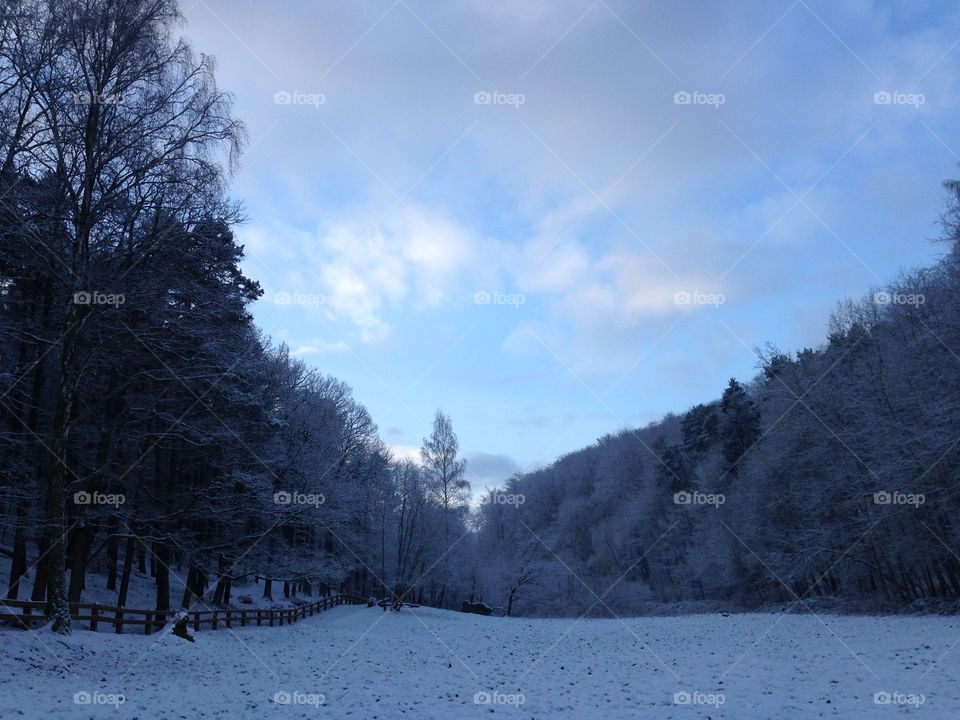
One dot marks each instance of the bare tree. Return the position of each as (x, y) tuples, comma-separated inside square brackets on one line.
[(444, 472)]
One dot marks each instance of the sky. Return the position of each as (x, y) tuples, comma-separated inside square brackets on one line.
[(555, 219)]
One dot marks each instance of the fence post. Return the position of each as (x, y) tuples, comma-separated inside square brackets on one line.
[(258, 618), (214, 619), (118, 620), (93, 617), (196, 620), (271, 618), (147, 622), (229, 614)]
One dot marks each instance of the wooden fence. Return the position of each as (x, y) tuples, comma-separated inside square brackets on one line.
[(32, 612)]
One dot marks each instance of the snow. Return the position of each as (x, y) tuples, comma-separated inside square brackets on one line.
[(423, 663)]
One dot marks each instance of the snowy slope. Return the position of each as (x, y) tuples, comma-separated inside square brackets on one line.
[(363, 663)]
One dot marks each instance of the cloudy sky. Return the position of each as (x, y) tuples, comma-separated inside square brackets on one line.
[(557, 218)]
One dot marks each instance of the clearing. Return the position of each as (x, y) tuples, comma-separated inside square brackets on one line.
[(358, 662)]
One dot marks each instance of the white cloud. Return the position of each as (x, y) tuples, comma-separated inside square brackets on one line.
[(320, 347), (697, 186), (360, 268), (410, 257), (405, 452)]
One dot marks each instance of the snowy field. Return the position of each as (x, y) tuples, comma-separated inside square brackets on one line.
[(355, 662)]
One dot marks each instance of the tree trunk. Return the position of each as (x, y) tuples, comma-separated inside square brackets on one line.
[(40, 574), (221, 594), (112, 551), (185, 600), (57, 608), (78, 562), (162, 554), (127, 569), (18, 567)]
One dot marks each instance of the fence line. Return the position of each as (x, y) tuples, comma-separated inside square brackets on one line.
[(34, 612)]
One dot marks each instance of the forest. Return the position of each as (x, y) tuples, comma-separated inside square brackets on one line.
[(146, 421), (831, 475)]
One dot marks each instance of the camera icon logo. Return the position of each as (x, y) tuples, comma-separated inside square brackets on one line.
[(882, 97)]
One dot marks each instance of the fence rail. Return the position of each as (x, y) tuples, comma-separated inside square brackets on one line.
[(33, 612)]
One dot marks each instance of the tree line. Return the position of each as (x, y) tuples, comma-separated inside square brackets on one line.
[(832, 475), (147, 424)]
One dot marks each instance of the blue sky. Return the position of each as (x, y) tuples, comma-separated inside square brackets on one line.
[(557, 219)]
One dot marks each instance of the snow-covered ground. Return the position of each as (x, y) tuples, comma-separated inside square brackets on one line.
[(355, 662)]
